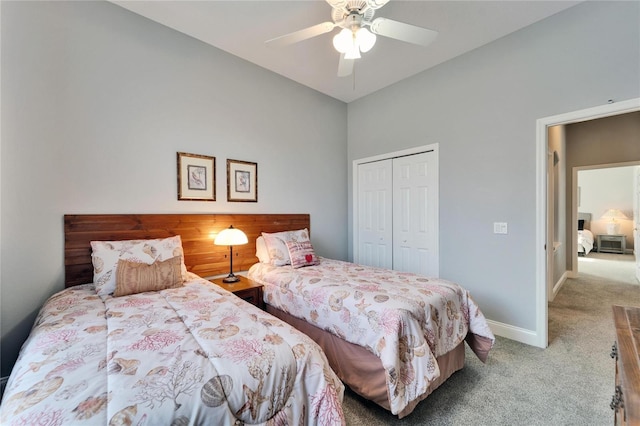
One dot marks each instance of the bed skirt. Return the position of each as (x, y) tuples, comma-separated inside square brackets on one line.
[(361, 370)]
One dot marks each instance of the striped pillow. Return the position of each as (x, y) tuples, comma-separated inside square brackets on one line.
[(105, 256), (301, 254), (135, 277)]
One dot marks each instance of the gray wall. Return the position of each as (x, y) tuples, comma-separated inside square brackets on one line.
[(96, 101), (482, 109)]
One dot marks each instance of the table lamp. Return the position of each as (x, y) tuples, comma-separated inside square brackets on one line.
[(613, 227), (231, 237)]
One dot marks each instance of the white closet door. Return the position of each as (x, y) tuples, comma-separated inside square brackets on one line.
[(375, 221), (415, 209)]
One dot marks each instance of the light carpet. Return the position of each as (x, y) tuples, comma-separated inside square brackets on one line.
[(613, 267), (569, 383)]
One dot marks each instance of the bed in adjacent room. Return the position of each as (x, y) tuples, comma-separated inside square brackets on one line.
[(137, 338), (585, 236), (392, 337)]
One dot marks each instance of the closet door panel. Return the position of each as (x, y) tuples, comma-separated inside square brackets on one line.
[(415, 214), (375, 211), (397, 213)]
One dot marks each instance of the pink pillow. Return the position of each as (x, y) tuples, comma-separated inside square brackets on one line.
[(301, 254)]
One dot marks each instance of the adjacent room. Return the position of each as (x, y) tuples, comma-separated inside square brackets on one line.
[(608, 196), (227, 209)]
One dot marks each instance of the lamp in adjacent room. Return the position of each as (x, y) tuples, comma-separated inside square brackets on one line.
[(613, 215), (231, 237)]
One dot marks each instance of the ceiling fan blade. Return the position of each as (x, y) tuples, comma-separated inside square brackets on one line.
[(401, 31), (301, 35), (345, 66)]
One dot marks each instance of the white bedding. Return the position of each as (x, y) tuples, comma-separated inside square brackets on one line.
[(585, 241)]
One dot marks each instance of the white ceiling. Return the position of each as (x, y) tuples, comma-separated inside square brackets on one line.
[(241, 27)]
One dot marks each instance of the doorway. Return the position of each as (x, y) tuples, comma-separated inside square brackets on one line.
[(603, 189), (542, 217)]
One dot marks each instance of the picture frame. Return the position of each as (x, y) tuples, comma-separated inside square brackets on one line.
[(242, 181), (196, 177)]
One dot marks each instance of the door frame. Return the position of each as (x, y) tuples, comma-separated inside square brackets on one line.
[(613, 108), (387, 156)]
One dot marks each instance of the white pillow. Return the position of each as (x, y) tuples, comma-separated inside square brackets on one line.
[(262, 253), (277, 245), (106, 254)]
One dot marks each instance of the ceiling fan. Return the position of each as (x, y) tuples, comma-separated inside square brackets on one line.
[(353, 16)]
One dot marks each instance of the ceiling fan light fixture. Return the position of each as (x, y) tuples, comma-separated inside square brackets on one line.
[(343, 41), (352, 53), (365, 39), (351, 42)]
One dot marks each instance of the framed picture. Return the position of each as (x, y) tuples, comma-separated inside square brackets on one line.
[(196, 177), (242, 181)]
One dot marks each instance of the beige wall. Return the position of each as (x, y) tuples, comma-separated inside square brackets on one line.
[(609, 140), (557, 146)]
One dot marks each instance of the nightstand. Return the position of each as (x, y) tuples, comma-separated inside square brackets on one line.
[(611, 243), (245, 289)]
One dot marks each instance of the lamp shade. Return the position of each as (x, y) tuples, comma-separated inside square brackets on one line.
[(353, 41), (343, 41), (231, 237), (614, 214), (366, 39)]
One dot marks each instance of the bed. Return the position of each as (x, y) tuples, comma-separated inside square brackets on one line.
[(392, 337), (149, 342), (585, 236)]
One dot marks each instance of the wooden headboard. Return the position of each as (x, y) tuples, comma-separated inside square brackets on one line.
[(197, 232)]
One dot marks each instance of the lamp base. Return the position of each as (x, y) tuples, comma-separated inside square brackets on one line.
[(613, 228), (230, 279)]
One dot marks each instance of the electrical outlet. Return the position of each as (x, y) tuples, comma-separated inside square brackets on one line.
[(500, 228)]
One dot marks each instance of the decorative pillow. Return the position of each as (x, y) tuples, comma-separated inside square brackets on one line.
[(580, 224), (277, 245), (135, 277), (105, 256), (301, 254), (262, 253)]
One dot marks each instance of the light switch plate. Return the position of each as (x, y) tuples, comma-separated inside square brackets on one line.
[(500, 228)]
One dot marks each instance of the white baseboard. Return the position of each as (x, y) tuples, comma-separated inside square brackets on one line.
[(522, 335), (558, 286)]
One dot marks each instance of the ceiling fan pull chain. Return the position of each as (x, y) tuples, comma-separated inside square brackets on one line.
[(354, 76)]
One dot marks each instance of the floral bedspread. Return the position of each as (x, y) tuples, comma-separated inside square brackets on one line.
[(190, 355), (406, 319)]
